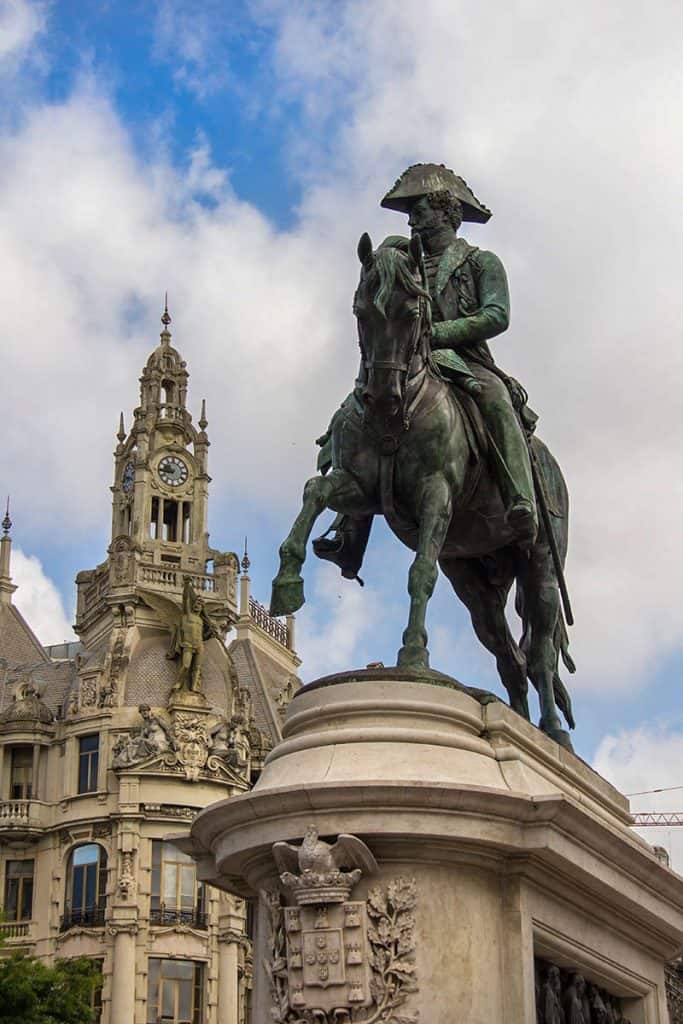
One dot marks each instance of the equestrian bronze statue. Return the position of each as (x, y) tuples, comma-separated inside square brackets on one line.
[(440, 441)]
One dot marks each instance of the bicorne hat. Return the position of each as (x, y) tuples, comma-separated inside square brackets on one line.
[(421, 179)]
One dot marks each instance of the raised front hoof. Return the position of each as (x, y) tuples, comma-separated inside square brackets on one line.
[(287, 596), (560, 736), (413, 656)]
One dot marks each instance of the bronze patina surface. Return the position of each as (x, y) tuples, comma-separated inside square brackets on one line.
[(440, 440)]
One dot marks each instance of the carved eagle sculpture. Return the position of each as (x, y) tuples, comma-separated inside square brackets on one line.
[(316, 857)]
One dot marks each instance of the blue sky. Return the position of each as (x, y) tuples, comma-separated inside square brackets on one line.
[(233, 153)]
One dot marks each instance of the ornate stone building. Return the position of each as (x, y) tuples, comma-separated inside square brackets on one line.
[(110, 744)]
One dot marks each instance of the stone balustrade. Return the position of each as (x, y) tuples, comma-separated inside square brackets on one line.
[(15, 930), (22, 816)]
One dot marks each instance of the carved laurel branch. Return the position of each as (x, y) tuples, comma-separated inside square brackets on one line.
[(392, 941), (276, 964)]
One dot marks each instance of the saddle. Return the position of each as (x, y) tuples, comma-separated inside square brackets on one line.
[(345, 540)]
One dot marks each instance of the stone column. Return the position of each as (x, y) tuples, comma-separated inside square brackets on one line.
[(34, 772), (123, 974), (228, 976)]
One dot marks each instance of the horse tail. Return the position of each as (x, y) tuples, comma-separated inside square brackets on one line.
[(562, 698), (562, 644)]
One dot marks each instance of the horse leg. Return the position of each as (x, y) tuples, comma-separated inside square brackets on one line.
[(288, 587), (485, 602), (542, 610), (434, 519)]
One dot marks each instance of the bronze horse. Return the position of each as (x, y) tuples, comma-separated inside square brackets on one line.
[(406, 445)]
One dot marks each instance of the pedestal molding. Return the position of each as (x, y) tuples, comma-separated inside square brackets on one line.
[(519, 850)]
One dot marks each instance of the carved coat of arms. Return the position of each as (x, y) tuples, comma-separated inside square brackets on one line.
[(334, 958)]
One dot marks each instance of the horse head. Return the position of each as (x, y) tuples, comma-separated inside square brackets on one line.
[(393, 312)]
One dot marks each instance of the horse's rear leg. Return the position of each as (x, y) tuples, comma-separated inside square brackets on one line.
[(287, 595), (485, 602), (542, 610), (435, 516)]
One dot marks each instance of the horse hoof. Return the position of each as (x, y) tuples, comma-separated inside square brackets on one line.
[(413, 656), (560, 736), (287, 596)]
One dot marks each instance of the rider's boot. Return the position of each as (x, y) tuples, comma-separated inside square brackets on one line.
[(346, 547)]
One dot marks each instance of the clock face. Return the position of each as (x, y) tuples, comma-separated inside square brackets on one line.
[(128, 478), (173, 471)]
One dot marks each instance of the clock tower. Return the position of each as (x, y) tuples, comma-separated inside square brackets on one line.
[(159, 532)]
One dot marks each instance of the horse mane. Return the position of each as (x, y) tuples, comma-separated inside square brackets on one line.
[(391, 264)]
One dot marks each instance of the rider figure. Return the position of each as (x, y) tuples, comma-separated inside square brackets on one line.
[(470, 304)]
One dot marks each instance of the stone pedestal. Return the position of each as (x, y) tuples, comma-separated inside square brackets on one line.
[(518, 850)]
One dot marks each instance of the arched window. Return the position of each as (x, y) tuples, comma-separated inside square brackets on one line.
[(86, 886)]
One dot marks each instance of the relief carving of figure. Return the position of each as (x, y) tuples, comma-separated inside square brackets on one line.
[(551, 992), (154, 737), (230, 741), (190, 627), (573, 1000), (598, 1009)]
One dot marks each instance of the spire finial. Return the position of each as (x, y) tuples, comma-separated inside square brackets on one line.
[(122, 430), (203, 422), (7, 588), (7, 522), (245, 561), (165, 319)]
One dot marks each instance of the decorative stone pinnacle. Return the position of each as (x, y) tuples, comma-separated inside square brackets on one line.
[(203, 422), (7, 522), (165, 319), (245, 561), (122, 430)]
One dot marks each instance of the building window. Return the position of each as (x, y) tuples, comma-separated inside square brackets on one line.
[(86, 886), (18, 890), (177, 896), (154, 520), (174, 992), (21, 780), (96, 995), (88, 762), (169, 524)]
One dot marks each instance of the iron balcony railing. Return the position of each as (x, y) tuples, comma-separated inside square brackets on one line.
[(91, 917), (169, 916)]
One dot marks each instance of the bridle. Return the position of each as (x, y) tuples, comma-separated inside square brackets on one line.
[(409, 402)]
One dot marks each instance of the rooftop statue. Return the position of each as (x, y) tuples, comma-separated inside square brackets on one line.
[(190, 627), (440, 440)]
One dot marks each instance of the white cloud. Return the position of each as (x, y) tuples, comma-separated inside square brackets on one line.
[(337, 623), (644, 759), (20, 23), (542, 119), (38, 600)]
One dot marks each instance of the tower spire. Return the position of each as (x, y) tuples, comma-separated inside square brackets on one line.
[(165, 319), (7, 588)]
